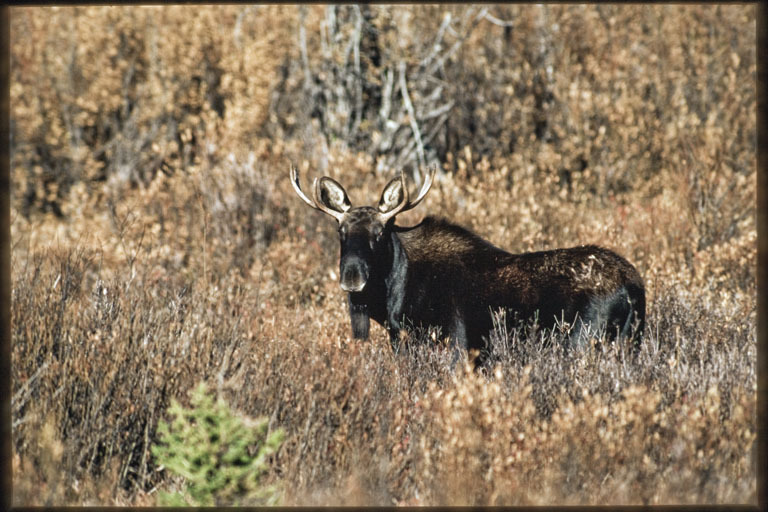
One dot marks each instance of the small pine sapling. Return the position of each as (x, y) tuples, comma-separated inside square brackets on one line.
[(221, 455)]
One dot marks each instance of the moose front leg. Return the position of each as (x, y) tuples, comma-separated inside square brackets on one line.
[(361, 320), (394, 339), (394, 327)]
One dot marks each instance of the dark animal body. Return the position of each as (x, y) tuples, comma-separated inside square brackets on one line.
[(440, 275)]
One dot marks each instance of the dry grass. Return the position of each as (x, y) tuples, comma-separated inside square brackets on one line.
[(156, 242)]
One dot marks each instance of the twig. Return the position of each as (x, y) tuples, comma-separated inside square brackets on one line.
[(411, 113), (436, 127), (358, 78), (438, 39), (303, 47), (438, 111), (386, 101), (439, 63), (496, 21), (239, 25), (21, 393), (145, 451)]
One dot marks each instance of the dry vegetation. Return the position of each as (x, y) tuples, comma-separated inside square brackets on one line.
[(156, 243)]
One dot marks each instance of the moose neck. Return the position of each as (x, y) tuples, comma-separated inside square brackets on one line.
[(382, 298)]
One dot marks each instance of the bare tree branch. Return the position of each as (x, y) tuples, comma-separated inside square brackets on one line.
[(411, 113), (386, 94), (439, 111), (439, 63), (352, 62), (358, 76), (303, 47), (496, 21), (436, 46)]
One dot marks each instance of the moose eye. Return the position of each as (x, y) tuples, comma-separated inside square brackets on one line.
[(377, 235)]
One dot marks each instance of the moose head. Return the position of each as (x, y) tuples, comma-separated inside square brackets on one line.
[(363, 230)]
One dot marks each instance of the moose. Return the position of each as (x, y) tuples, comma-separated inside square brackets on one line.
[(440, 275)]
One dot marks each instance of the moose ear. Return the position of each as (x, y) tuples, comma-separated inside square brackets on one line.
[(392, 196), (333, 195)]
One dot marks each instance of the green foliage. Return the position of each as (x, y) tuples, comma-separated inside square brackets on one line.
[(213, 449)]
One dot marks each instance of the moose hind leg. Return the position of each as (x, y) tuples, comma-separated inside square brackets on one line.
[(635, 321), (609, 316), (616, 313)]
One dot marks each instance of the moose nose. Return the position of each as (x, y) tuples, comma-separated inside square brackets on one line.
[(353, 278), (347, 287)]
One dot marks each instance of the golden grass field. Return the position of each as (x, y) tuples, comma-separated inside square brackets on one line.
[(157, 243)]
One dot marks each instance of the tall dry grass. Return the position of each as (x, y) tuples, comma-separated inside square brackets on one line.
[(156, 243)]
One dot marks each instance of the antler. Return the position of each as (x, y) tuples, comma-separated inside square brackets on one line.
[(424, 188), (314, 203), (297, 188), (406, 204), (321, 206), (384, 217)]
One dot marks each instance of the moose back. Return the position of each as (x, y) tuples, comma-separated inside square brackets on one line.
[(440, 275)]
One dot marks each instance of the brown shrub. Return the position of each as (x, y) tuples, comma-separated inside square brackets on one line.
[(640, 138)]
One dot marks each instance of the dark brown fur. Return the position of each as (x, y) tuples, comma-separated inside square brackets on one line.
[(558, 285)]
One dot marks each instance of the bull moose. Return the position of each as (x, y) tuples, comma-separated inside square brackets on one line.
[(440, 275)]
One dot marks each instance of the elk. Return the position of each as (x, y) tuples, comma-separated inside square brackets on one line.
[(440, 275)]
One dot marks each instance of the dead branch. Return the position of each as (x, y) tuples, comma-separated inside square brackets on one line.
[(411, 113)]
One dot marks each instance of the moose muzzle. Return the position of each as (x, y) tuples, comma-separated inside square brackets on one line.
[(354, 274)]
